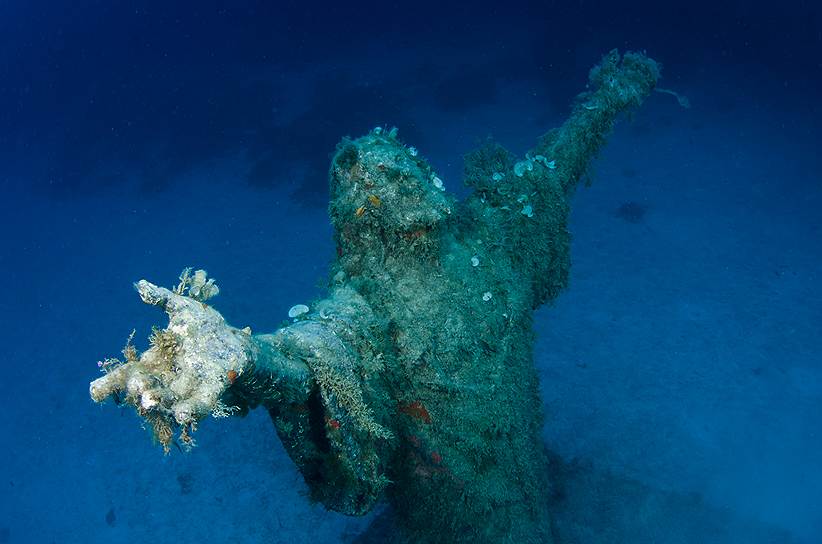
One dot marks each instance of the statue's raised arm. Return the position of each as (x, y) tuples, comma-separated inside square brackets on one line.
[(538, 186), (413, 379)]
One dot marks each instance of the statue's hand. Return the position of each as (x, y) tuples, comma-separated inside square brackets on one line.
[(181, 378)]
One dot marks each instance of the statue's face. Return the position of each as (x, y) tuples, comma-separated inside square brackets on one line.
[(380, 186)]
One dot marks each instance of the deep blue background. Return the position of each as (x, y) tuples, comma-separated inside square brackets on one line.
[(682, 368)]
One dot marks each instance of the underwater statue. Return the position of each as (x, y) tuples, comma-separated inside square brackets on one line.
[(413, 379)]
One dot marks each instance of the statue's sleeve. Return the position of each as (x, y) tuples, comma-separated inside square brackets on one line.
[(616, 84), (334, 416), (523, 205)]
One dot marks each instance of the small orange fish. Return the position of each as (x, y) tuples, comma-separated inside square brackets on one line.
[(360, 211), (232, 376), (374, 200), (417, 411)]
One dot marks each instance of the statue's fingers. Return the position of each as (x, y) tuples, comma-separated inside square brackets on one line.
[(171, 302), (105, 386), (150, 399), (186, 411), (196, 407), (157, 296)]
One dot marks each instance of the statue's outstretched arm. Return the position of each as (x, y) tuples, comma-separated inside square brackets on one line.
[(191, 365), (319, 377)]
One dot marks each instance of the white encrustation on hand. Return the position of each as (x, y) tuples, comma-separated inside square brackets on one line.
[(180, 379)]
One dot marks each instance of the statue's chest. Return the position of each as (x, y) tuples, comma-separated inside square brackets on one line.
[(443, 329)]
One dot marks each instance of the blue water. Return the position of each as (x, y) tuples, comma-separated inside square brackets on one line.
[(681, 371)]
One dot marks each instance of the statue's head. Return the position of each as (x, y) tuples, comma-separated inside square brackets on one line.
[(383, 193)]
